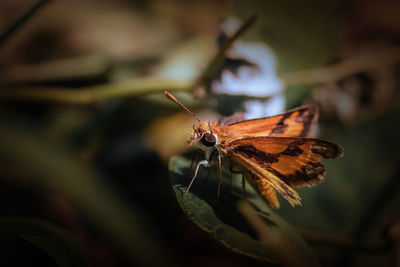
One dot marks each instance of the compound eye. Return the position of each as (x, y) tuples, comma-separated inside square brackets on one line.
[(208, 140)]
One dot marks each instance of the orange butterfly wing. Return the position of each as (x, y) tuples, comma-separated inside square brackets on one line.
[(293, 123), (283, 162), (264, 189)]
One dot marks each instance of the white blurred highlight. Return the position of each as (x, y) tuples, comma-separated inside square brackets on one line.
[(258, 109), (259, 80)]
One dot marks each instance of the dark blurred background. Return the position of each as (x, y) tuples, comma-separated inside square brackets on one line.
[(86, 132)]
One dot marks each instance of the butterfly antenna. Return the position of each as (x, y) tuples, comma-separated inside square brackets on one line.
[(171, 97)]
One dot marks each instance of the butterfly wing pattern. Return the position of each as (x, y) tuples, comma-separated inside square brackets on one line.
[(283, 163), (276, 154)]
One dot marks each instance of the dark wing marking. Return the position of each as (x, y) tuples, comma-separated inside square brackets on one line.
[(284, 161)]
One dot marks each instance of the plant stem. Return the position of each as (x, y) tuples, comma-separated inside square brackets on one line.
[(21, 21), (93, 94), (363, 62)]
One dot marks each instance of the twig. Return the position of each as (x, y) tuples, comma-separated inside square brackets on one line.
[(94, 94), (215, 63), (361, 63), (21, 21), (69, 69)]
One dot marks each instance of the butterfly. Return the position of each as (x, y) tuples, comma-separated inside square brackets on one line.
[(273, 153)]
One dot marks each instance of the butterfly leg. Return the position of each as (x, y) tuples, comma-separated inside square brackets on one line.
[(219, 177), (193, 160), (231, 182), (191, 163), (233, 171), (244, 186), (205, 163), (208, 174)]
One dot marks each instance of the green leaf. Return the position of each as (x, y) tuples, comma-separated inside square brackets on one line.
[(224, 222), (59, 244)]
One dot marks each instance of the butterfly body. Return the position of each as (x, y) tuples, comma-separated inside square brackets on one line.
[(273, 153)]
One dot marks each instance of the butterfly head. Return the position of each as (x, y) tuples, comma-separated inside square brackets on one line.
[(202, 134)]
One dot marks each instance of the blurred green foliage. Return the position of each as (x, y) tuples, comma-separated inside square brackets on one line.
[(83, 125)]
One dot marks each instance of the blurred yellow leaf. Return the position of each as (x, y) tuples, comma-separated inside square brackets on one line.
[(168, 135)]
